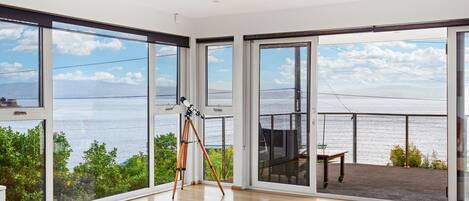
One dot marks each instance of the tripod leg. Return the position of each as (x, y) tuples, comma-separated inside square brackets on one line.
[(179, 159), (214, 173), (184, 157)]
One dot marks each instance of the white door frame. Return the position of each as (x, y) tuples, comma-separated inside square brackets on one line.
[(452, 110), (255, 54)]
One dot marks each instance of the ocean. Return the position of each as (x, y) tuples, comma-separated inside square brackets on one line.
[(121, 123)]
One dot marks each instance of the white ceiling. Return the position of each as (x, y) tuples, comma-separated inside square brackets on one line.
[(208, 8)]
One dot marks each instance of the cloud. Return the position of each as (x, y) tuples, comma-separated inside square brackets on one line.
[(397, 44), (377, 64), (11, 71), (82, 44), (165, 80), (211, 51), (287, 72), (10, 31), (129, 78), (29, 41), (167, 50), (116, 68)]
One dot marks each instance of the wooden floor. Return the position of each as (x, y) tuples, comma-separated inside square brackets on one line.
[(212, 193)]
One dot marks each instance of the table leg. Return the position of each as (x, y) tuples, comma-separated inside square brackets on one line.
[(326, 172), (342, 167)]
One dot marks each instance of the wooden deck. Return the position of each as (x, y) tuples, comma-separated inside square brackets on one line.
[(384, 182)]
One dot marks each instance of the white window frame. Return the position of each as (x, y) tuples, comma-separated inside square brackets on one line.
[(210, 110)]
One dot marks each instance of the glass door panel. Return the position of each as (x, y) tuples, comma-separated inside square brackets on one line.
[(283, 129)]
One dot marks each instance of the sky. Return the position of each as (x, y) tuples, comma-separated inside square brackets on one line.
[(362, 68)]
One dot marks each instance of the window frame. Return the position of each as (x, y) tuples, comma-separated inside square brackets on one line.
[(215, 110)]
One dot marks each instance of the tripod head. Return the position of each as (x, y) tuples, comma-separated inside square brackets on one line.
[(190, 108)]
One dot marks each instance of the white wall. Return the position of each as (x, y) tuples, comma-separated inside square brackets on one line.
[(352, 14), (130, 15)]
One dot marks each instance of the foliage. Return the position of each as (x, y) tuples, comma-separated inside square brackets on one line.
[(216, 157), (165, 158), (416, 158), (22, 163), (98, 175)]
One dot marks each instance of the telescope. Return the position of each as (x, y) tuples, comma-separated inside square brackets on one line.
[(190, 108)]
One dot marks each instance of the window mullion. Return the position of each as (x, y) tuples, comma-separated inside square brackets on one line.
[(47, 68), (151, 112)]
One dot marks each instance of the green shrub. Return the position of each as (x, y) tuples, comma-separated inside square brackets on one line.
[(165, 158), (416, 158), (215, 155)]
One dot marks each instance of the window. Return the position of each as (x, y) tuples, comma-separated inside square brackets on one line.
[(167, 75), (218, 141), (22, 159), (167, 131), (19, 65), (219, 73), (382, 100), (101, 110)]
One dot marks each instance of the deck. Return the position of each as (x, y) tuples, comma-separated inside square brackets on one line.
[(385, 182)]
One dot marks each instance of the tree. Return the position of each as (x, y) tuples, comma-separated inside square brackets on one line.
[(100, 171), (22, 163), (165, 158), (135, 171)]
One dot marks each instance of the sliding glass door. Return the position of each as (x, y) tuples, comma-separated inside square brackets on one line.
[(458, 98), (283, 78)]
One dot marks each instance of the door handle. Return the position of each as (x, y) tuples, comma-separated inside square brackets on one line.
[(17, 113)]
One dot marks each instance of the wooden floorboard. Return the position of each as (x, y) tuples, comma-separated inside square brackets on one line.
[(212, 193)]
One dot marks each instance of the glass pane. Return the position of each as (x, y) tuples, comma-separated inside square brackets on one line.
[(283, 128), (100, 109), (167, 129), (167, 78), (462, 116), (19, 65), (218, 140), (219, 75), (383, 105), (22, 159)]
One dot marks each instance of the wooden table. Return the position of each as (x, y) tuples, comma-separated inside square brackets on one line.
[(328, 154)]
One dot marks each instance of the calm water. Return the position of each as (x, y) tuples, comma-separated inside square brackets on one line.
[(122, 123)]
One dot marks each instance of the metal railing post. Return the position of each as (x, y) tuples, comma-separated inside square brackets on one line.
[(407, 141), (223, 147), (354, 117)]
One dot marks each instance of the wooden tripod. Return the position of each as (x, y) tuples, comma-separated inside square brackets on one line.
[(182, 157)]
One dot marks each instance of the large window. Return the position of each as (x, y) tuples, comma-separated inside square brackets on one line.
[(22, 159), (101, 110), (219, 75), (167, 75), (382, 104), (19, 65)]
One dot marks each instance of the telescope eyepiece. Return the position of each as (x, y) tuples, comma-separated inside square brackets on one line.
[(182, 99)]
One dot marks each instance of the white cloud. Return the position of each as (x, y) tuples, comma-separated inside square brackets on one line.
[(165, 80), (10, 31), (397, 44), (129, 78), (211, 51), (116, 68), (28, 42), (13, 70), (167, 50), (376, 64), (287, 72), (82, 44)]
